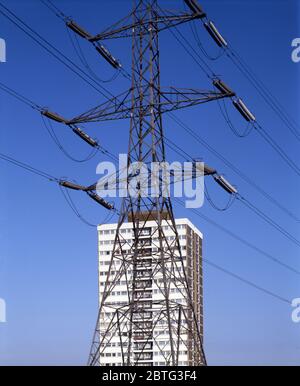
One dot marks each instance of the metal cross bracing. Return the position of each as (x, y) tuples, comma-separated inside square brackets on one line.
[(135, 263), (138, 261), (120, 107), (151, 260), (162, 22)]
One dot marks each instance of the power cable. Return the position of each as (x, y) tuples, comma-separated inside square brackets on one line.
[(108, 218), (76, 46), (267, 96), (233, 235), (214, 205), (29, 168), (200, 45), (73, 207), (110, 215), (231, 166), (268, 219), (53, 8), (225, 114), (211, 75), (260, 87), (269, 293), (66, 61), (20, 97), (51, 132), (174, 147), (246, 281), (0, 4), (51, 178), (259, 189)]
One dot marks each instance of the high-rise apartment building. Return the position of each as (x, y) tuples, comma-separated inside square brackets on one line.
[(150, 343)]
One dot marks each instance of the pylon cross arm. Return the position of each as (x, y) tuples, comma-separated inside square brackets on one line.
[(160, 22), (171, 99)]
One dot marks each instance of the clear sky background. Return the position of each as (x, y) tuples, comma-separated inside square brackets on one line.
[(48, 257)]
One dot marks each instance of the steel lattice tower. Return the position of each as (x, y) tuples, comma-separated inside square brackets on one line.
[(135, 263), (146, 144)]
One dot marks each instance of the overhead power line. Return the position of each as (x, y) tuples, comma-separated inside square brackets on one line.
[(60, 56), (51, 132), (232, 167), (249, 74), (170, 143), (212, 75), (240, 239), (177, 149), (51, 178), (267, 96), (20, 97), (270, 293), (75, 210), (29, 168), (262, 215), (236, 170), (53, 8), (246, 281), (30, 103), (269, 220), (108, 218)]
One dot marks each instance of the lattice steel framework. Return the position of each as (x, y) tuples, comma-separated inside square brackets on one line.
[(135, 262)]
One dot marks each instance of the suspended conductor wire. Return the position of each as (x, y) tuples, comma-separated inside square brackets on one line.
[(108, 218), (197, 58), (71, 204), (77, 48), (244, 177), (57, 53), (231, 166), (268, 220), (50, 178), (20, 97), (49, 127), (200, 45), (53, 8), (233, 235), (74, 208), (267, 96), (177, 149), (246, 281), (214, 205), (275, 146), (225, 114), (124, 18), (29, 168), (36, 107), (85, 79), (264, 134), (58, 12), (271, 141), (47, 49)]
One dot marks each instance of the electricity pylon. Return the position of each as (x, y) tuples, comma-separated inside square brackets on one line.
[(135, 263)]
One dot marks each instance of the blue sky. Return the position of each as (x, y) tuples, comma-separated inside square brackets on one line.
[(48, 258)]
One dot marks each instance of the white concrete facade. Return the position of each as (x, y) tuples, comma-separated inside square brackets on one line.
[(156, 350)]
